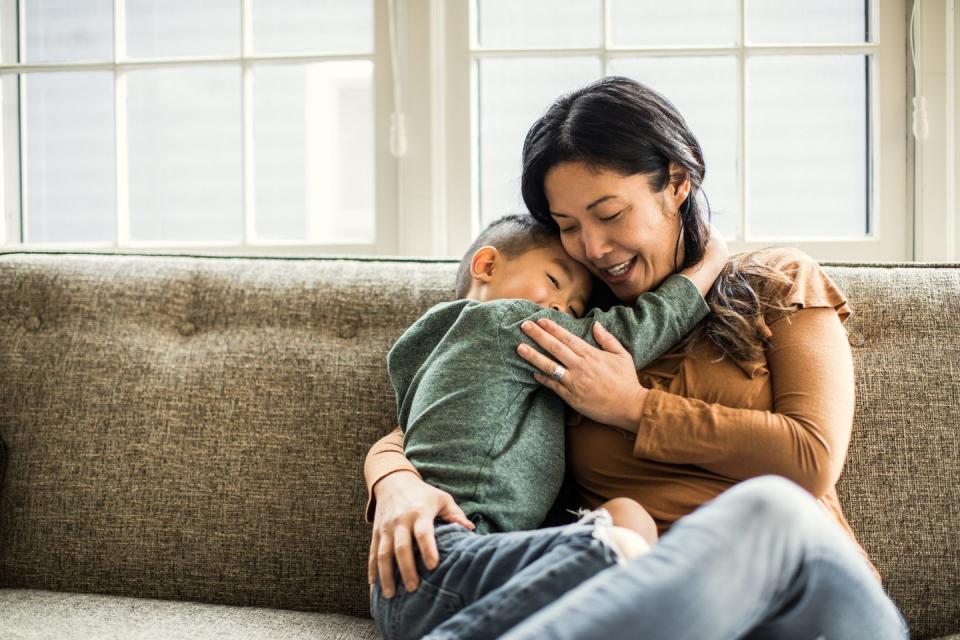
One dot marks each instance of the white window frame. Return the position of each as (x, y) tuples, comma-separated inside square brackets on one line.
[(934, 165), (427, 200), (890, 239), (13, 139)]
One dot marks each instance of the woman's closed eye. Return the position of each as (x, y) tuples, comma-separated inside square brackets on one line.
[(611, 218)]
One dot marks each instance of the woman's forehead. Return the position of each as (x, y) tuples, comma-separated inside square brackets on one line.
[(575, 187)]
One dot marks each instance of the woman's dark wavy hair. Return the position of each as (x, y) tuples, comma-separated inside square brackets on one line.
[(618, 124)]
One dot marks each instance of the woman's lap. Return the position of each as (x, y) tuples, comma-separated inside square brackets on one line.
[(762, 560)]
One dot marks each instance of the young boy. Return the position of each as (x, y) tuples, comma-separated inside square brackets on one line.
[(476, 424)]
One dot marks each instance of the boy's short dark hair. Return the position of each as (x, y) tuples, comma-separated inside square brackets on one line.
[(512, 235)]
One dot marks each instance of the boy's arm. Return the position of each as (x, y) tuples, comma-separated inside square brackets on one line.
[(657, 321)]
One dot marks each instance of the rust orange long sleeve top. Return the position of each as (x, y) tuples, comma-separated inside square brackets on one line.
[(710, 422)]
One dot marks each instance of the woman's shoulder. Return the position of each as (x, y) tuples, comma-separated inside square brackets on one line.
[(783, 259), (794, 279)]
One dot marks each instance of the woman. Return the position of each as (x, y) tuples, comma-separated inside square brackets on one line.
[(763, 386)]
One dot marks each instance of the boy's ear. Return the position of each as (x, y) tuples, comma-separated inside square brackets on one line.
[(483, 263)]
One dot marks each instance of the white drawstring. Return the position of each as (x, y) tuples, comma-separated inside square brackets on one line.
[(398, 127), (921, 127)]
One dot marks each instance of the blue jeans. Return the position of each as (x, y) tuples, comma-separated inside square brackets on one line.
[(763, 560), (486, 584)]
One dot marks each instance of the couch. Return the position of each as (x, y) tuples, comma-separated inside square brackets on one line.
[(185, 439)]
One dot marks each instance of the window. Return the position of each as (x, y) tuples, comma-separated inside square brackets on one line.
[(789, 101), (146, 124), (263, 126)]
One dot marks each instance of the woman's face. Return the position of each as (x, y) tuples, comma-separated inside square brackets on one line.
[(625, 233)]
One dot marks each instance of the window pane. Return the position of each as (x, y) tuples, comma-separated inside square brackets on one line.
[(61, 30), (514, 92), (185, 154), (704, 89), (182, 28), (314, 146), (680, 22), (807, 150), (789, 21), (288, 26), (70, 171), (539, 23)]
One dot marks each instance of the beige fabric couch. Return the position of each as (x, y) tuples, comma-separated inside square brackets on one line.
[(188, 433)]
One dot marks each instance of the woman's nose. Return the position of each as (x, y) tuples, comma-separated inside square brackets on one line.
[(595, 245)]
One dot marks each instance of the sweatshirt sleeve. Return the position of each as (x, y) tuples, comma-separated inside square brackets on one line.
[(385, 457), (656, 322), (804, 437)]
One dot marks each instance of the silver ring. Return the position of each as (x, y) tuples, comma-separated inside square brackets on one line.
[(559, 372)]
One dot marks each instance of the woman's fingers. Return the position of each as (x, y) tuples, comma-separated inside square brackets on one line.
[(403, 549), (555, 386), (571, 341), (606, 340), (537, 359), (372, 559), (550, 343), (451, 512), (427, 542), (385, 564)]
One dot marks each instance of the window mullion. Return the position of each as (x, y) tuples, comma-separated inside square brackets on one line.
[(742, 138), (606, 37), (120, 124), (10, 169), (246, 108), (21, 119)]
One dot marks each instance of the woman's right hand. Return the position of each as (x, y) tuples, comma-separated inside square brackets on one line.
[(406, 508)]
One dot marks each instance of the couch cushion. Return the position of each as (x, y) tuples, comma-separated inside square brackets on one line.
[(35, 615), (900, 488), (190, 428), (184, 428), (3, 462)]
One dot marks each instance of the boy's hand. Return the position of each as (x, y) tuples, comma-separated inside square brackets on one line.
[(715, 255)]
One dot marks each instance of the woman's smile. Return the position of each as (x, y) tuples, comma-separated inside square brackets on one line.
[(619, 272)]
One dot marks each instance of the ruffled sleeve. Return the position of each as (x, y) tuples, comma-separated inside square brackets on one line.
[(805, 286)]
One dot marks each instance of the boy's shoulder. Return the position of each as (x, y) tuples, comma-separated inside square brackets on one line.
[(500, 312), (472, 313)]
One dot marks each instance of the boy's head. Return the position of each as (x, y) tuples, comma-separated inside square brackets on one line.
[(519, 257)]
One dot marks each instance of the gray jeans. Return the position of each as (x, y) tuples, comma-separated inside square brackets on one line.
[(763, 560)]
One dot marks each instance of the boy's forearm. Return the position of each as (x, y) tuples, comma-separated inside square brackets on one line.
[(705, 273), (657, 321)]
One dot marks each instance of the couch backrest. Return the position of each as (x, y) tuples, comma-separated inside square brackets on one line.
[(195, 428)]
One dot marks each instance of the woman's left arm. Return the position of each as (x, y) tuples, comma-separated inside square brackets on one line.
[(804, 437)]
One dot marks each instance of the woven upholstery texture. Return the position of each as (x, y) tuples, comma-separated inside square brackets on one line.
[(195, 428), (27, 614)]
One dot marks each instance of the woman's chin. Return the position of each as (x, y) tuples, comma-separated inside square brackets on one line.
[(629, 290), (626, 292)]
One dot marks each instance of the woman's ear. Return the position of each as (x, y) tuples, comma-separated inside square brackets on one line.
[(679, 185), (483, 263)]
